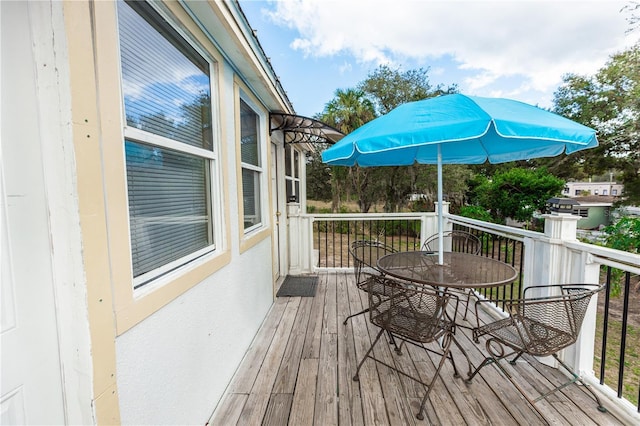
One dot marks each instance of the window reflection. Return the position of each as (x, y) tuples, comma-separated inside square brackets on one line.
[(166, 84)]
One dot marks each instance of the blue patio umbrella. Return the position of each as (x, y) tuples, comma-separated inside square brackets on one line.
[(459, 129)]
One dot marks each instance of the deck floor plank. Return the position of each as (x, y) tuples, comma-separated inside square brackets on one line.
[(349, 399), (299, 370), (304, 398)]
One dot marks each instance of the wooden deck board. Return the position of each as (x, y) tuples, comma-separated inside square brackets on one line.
[(349, 402), (299, 371)]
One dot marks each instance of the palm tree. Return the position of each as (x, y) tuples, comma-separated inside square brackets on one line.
[(348, 110)]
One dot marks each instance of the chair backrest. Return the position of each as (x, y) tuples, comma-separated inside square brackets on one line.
[(365, 254), (549, 324), (418, 313), (456, 240)]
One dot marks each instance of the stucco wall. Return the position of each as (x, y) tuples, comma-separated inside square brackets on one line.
[(174, 366)]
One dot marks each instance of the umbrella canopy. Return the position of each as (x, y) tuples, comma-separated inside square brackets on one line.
[(459, 129), (470, 130)]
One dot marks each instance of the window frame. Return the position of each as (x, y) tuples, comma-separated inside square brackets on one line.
[(103, 165), (251, 236), (259, 169), (296, 174), (214, 212)]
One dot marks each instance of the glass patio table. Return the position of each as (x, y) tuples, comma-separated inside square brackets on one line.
[(463, 271)]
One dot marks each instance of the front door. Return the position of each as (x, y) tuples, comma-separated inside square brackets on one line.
[(31, 390), (31, 384)]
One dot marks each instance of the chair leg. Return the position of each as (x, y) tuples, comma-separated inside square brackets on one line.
[(575, 378), (445, 354), (484, 363), (364, 311), (392, 341), (356, 377)]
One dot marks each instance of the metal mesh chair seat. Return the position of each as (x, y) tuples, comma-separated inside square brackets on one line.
[(524, 334), (538, 326), (376, 284), (421, 328), (416, 315)]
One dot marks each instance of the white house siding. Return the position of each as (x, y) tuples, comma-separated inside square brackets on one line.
[(576, 189), (172, 365), (175, 365)]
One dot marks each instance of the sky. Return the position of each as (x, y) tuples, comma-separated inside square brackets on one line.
[(509, 48)]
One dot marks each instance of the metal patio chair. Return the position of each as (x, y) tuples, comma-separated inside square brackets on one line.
[(458, 241), (365, 255), (538, 326), (417, 315)]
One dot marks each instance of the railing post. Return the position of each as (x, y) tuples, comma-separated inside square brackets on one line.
[(553, 266), (300, 237), (580, 355), (559, 265), (293, 234)]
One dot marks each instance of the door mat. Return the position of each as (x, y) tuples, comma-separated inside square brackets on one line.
[(304, 286)]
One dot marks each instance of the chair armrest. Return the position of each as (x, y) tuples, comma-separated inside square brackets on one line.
[(563, 289)]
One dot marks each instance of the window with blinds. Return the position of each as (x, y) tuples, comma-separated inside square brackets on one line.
[(168, 143), (292, 174), (251, 166)]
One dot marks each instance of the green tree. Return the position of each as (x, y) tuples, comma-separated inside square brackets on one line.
[(388, 88), (348, 110), (318, 176), (624, 235), (516, 193), (609, 102)]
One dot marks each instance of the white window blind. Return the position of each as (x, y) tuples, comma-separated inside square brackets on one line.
[(251, 165), (168, 143)]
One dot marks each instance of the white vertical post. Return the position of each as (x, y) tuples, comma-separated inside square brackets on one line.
[(551, 266), (440, 214), (553, 260), (295, 242)]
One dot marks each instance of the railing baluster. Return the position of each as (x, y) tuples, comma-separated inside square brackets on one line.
[(605, 326), (623, 337)]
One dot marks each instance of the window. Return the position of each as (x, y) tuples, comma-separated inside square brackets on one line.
[(581, 212), (595, 192), (292, 174), (604, 192), (169, 149), (251, 166), (577, 192), (614, 192)]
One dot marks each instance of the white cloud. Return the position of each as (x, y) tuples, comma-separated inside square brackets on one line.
[(345, 67), (536, 41)]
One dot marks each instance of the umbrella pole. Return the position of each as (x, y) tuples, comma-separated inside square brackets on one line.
[(440, 218)]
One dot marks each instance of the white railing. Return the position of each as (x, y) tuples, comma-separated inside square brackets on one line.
[(552, 257)]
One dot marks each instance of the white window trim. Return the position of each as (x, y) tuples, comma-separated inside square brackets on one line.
[(158, 276), (293, 169), (262, 155)]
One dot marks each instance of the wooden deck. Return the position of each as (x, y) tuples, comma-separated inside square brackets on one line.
[(299, 371)]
